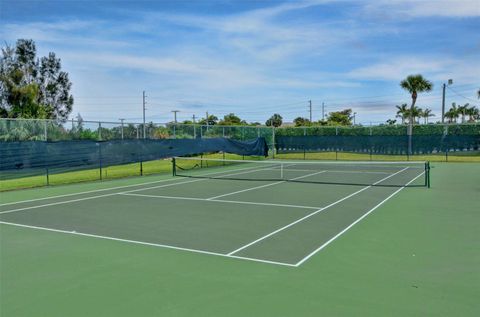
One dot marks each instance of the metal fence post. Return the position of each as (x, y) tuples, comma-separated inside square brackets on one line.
[(273, 142), (45, 133), (100, 158), (99, 131)]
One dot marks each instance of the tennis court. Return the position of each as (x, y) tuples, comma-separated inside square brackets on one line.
[(279, 213)]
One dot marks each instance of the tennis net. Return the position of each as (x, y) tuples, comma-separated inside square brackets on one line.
[(365, 173)]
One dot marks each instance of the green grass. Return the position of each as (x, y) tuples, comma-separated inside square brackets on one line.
[(416, 255), (163, 166)]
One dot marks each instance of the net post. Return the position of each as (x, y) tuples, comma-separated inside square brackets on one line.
[(48, 178), (427, 174), (141, 168), (174, 167)]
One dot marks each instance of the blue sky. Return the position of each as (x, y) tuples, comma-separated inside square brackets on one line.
[(253, 58)]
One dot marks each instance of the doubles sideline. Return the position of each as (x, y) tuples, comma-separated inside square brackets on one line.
[(244, 171)]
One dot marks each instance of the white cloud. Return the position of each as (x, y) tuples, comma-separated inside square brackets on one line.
[(434, 67), (425, 8)]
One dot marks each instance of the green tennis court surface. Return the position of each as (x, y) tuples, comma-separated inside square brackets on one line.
[(284, 228)]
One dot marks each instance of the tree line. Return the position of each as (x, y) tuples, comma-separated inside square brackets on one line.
[(33, 87)]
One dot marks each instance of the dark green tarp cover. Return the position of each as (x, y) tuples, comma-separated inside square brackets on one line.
[(65, 154), (381, 144)]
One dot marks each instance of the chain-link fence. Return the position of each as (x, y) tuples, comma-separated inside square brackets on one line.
[(51, 130)]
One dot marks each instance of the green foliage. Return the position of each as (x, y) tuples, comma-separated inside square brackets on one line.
[(343, 117), (301, 122), (212, 120), (232, 119), (275, 121), (32, 88)]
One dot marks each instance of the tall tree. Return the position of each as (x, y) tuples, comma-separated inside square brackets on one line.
[(30, 87), (275, 121), (415, 84)]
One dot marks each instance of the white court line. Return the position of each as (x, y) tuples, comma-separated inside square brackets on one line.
[(333, 171), (107, 189), (221, 201), (262, 186), (312, 214), (112, 194), (88, 198), (146, 243), (85, 192), (354, 223)]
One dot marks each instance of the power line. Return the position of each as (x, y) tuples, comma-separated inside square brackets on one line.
[(458, 94)]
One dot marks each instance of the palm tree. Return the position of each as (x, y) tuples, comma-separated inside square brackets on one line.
[(452, 114), (415, 112), (402, 112), (462, 110), (473, 114), (427, 113), (415, 84)]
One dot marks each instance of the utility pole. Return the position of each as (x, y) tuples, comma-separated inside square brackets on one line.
[(144, 134), (354, 115), (121, 119), (310, 108), (450, 81), (175, 115), (323, 111)]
